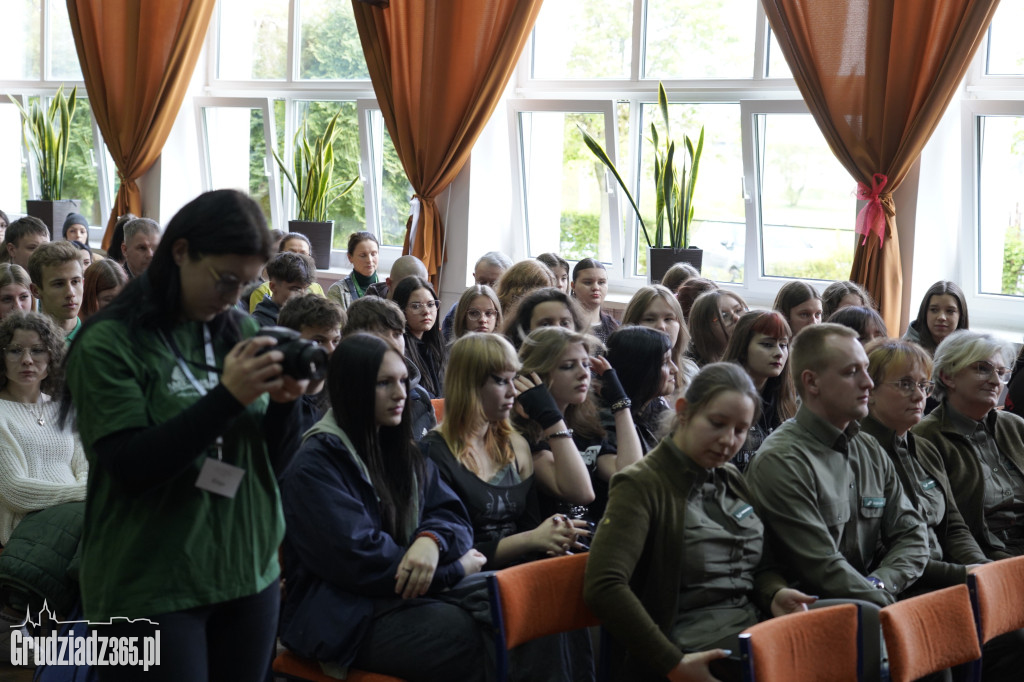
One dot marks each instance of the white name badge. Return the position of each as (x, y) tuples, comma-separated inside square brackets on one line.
[(220, 478)]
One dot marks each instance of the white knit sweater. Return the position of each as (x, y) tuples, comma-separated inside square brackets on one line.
[(40, 466)]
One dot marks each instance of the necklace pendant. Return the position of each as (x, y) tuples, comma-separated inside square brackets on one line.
[(41, 421)]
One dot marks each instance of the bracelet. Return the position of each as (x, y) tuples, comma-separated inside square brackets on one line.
[(620, 405), (565, 433), (432, 536)]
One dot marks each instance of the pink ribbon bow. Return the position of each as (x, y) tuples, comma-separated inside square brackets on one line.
[(871, 218)]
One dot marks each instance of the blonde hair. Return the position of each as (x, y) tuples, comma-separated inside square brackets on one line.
[(472, 361), (884, 354), (519, 280), (542, 352)]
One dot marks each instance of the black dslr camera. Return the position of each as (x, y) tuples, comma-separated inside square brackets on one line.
[(303, 359)]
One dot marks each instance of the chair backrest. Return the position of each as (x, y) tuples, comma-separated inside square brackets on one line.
[(537, 599), (821, 645), (438, 404), (929, 633), (995, 595)]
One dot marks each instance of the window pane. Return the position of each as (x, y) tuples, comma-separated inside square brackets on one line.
[(22, 18), (237, 152), (61, 43), (1000, 201), (253, 40), (392, 186), (348, 212), (719, 225), (330, 42), (564, 185), (80, 179), (700, 38), (1005, 49), (776, 65), (808, 204), (583, 39), (13, 181)]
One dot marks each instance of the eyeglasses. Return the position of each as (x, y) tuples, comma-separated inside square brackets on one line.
[(429, 305), (906, 386), (17, 352), (475, 314), (227, 285), (986, 369)]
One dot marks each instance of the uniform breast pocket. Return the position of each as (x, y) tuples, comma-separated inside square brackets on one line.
[(872, 507), (835, 513)]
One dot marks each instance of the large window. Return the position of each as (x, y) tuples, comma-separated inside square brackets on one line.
[(771, 200), (275, 72), (33, 67), (992, 238)]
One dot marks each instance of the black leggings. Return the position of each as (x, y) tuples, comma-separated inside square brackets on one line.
[(232, 640)]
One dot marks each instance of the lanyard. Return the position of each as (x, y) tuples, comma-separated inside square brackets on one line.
[(211, 374)]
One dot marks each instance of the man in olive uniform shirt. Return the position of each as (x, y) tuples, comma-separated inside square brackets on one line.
[(831, 501)]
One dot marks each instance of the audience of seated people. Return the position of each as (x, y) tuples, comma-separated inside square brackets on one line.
[(551, 442)]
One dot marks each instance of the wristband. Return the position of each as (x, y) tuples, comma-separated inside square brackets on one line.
[(431, 536), (565, 433), (611, 388), (621, 405), (540, 406)]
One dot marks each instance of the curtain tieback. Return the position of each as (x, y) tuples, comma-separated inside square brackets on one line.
[(871, 219)]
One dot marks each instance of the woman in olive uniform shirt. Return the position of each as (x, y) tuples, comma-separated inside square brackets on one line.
[(677, 563)]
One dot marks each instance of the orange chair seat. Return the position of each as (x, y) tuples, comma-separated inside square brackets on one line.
[(292, 666)]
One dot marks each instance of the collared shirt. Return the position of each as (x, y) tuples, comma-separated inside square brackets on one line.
[(723, 540), (834, 507), (1003, 498), (920, 486)]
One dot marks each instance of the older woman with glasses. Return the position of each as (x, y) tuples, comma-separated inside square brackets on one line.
[(981, 447), (901, 371)]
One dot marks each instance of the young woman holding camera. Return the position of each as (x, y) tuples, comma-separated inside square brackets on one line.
[(182, 410)]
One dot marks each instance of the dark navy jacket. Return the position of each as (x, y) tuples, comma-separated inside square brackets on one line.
[(337, 559)]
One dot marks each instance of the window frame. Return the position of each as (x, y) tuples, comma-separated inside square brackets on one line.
[(291, 90), (756, 95), (521, 231), (997, 311)]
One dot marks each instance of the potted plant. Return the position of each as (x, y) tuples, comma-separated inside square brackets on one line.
[(47, 136), (312, 180), (674, 183)]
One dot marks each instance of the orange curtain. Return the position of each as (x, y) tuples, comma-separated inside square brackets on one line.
[(137, 59), (877, 76), (439, 68)]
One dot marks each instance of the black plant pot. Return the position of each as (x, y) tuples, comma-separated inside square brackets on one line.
[(321, 236), (52, 213), (659, 260)]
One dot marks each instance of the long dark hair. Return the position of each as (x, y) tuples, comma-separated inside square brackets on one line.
[(432, 338), (940, 288), (636, 353), (215, 223), (394, 462)]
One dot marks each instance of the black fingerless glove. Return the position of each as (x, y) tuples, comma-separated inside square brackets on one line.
[(611, 388), (540, 406)]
